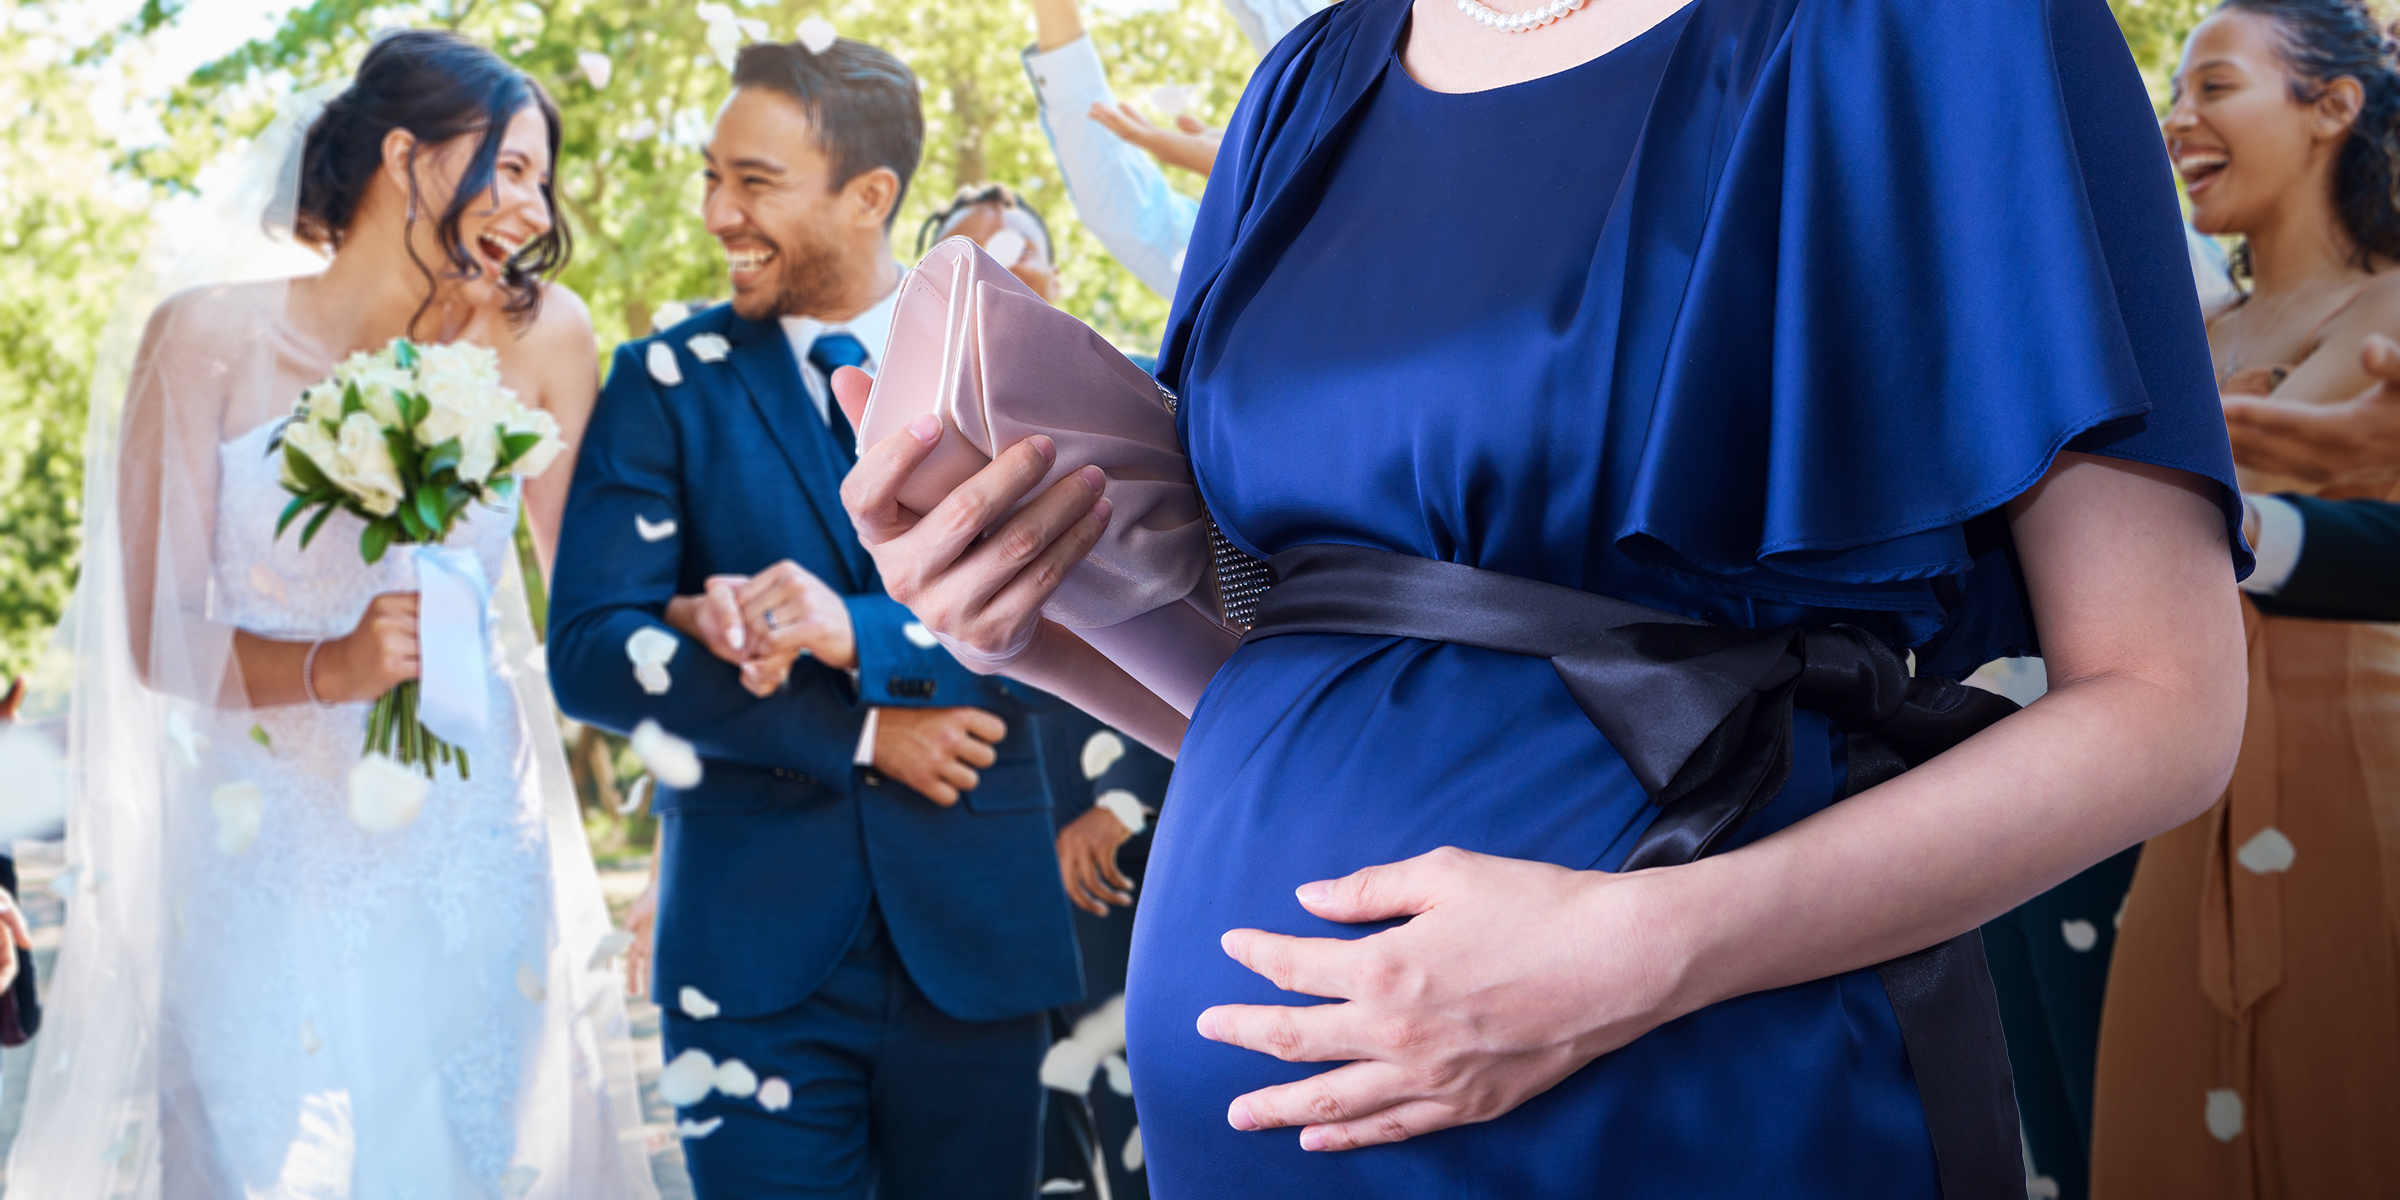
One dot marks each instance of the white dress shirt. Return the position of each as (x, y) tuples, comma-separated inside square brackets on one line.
[(2281, 533), (872, 328)]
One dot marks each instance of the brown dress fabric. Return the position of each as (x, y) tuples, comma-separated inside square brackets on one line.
[(2250, 1044)]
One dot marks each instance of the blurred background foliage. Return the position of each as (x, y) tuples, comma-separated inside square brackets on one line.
[(637, 85)]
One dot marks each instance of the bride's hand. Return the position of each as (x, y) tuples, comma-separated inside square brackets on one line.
[(982, 595), (1509, 976), (373, 658)]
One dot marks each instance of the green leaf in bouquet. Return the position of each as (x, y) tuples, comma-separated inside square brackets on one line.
[(291, 512), (317, 522), (430, 510), (514, 446), (305, 469), (413, 525), (374, 540), (352, 402), (443, 457), (459, 496), (404, 453), (503, 488), (404, 353), (419, 408)]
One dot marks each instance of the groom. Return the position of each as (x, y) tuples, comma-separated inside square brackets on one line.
[(859, 901)]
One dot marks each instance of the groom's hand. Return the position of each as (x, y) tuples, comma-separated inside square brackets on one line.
[(787, 612), (938, 751), (714, 617)]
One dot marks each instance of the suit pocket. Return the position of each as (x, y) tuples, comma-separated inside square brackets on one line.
[(729, 789), (1011, 786)]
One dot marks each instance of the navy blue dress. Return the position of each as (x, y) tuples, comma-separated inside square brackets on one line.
[(1760, 317)]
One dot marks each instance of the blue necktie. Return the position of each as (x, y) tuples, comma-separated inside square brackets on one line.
[(829, 351)]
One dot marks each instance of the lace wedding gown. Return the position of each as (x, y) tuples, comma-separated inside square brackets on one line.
[(369, 1014)]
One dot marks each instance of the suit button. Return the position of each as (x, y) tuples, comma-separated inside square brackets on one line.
[(871, 778)]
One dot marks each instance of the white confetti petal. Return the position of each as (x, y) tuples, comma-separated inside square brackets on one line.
[(310, 1043), (1126, 807), (724, 40), (1120, 1076), (694, 1130), (919, 636), (752, 28), (775, 1095), (519, 1180), (1103, 1028), (709, 348), (2224, 1114), (1007, 247), (736, 1079), (1062, 1186), (2041, 1187), (596, 68), (816, 33), (652, 645), (2267, 853), (670, 758), (238, 807), (2081, 935), (661, 360), (1132, 1154), (696, 1004), (611, 947), (189, 743), (1170, 98), (687, 1080), (1068, 1067), (529, 982), (653, 678), (1102, 752), (674, 312), (385, 796)]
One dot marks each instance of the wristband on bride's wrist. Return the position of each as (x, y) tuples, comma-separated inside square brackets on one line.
[(308, 674)]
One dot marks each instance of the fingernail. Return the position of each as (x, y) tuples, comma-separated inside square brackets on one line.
[(1313, 894), (1239, 1117), (1101, 509), (1046, 448), (1093, 479), (1310, 1139), (1208, 1024), (738, 636), (925, 428)]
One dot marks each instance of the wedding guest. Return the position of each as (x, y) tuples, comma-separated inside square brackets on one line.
[(2250, 1045), (2322, 442), (858, 900), (2335, 560), (1692, 340), (1119, 191), (1009, 229)]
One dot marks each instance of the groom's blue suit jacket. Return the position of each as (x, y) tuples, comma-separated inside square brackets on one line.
[(770, 862)]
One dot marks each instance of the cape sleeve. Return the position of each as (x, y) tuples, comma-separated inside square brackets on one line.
[(1943, 247)]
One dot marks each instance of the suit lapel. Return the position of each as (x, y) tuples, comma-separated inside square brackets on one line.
[(763, 358)]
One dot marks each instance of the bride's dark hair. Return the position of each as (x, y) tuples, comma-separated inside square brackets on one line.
[(437, 86)]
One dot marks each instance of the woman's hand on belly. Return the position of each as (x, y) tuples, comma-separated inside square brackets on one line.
[(1509, 976)]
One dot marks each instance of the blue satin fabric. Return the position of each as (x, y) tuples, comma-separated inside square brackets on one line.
[(1759, 318)]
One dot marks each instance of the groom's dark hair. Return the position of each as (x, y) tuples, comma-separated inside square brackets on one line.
[(862, 100)]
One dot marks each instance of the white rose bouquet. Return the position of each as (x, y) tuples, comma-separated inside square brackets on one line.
[(405, 439)]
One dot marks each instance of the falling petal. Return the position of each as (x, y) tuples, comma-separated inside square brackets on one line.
[(2081, 935), (663, 367), (725, 41), (1007, 247), (1132, 1154), (2267, 853), (259, 734), (2224, 1114), (1102, 752), (692, 1130), (1068, 1067), (919, 636), (596, 68), (817, 34), (1126, 807), (752, 28), (2041, 1187), (529, 982), (736, 1079), (670, 758), (1170, 98), (519, 1180), (775, 1095), (696, 1004), (635, 795), (674, 312), (652, 645), (653, 678), (239, 807), (709, 348), (310, 1043), (687, 1080), (1120, 1076), (613, 945), (1062, 1186), (385, 796), (1103, 1028)]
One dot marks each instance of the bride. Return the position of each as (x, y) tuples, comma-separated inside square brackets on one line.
[(259, 995)]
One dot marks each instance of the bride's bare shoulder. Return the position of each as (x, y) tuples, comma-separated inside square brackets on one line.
[(217, 314), (561, 332)]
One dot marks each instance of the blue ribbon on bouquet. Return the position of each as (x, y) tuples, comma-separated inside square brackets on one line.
[(453, 595)]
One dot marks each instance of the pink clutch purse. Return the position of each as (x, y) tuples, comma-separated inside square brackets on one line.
[(973, 345)]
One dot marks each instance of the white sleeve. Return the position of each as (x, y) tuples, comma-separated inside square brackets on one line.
[(2281, 532), (1120, 192), (1265, 22), (864, 756)]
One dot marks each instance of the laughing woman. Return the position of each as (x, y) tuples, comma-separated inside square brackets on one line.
[(1778, 337), (2251, 1042)]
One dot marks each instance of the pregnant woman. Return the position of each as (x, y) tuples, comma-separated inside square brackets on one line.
[(1803, 333)]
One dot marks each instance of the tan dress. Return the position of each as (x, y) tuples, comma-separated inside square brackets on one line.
[(2250, 1045)]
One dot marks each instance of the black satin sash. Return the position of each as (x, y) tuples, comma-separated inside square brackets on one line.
[(1703, 715)]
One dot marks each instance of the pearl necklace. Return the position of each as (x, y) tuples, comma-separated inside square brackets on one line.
[(1517, 22)]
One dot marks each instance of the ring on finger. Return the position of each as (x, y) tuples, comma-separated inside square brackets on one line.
[(770, 619)]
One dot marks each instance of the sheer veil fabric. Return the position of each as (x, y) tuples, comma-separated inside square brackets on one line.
[(255, 996)]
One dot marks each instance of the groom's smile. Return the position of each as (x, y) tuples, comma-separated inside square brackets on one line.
[(800, 238)]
